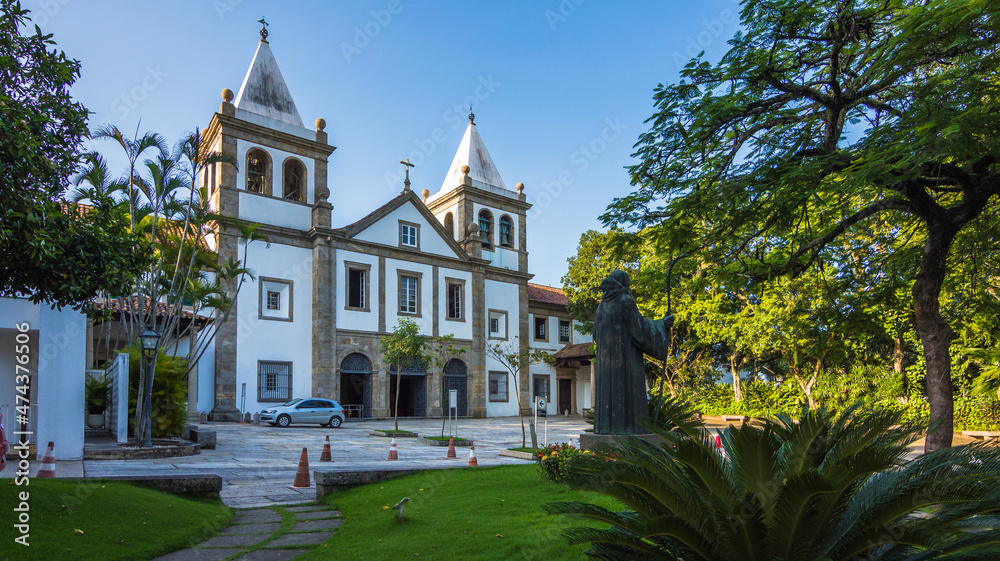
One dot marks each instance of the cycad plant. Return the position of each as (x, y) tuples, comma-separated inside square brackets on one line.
[(825, 487)]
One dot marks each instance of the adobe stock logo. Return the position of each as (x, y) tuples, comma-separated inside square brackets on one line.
[(130, 100)]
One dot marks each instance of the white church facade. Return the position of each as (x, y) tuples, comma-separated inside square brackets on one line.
[(455, 262)]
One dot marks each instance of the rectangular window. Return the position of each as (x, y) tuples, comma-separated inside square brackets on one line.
[(409, 234), (497, 324), (540, 387), (355, 288), (498, 386), (540, 333), (564, 331), (275, 299), (274, 381), (455, 303), (407, 295)]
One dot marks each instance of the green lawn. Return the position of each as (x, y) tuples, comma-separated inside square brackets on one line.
[(117, 520), (463, 513)]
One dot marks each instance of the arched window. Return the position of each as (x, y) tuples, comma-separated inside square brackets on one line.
[(449, 224), (486, 227), (294, 185), (505, 236), (258, 171)]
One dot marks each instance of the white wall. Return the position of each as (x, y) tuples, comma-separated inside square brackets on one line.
[(502, 296), (269, 339), (352, 319), (206, 379), (386, 231), (60, 346)]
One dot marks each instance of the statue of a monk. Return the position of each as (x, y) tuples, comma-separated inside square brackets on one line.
[(623, 336)]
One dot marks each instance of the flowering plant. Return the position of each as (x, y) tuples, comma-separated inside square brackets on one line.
[(556, 461)]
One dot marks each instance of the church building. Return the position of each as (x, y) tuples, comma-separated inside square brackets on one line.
[(325, 293)]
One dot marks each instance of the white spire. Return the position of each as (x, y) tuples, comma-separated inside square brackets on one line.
[(472, 152), (264, 91)]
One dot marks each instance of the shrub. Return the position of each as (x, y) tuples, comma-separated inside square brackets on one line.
[(169, 399)]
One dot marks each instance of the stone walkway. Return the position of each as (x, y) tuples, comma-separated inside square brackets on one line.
[(257, 535)]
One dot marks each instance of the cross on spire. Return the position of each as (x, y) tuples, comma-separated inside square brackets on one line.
[(408, 165), (263, 29)]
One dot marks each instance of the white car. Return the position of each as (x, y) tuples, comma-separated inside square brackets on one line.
[(322, 411)]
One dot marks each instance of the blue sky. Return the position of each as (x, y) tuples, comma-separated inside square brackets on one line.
[(560, 89)]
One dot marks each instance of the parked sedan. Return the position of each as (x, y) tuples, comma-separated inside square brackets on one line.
[(325, 412)]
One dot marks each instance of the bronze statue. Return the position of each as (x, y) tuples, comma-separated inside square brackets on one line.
[(4, 446), (623, 336)]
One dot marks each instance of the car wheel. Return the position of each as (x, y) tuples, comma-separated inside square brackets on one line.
[(335, 421), (284, 421)]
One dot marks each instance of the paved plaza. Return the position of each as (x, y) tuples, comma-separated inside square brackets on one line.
[(258, 463)]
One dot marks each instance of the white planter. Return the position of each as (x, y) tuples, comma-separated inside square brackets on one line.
[(95, 421)]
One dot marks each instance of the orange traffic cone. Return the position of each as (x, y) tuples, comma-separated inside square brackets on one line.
[(718, 446), (393, 453), (302, 475), (472, 456), (451, 449), (325, 456), (48, 467)]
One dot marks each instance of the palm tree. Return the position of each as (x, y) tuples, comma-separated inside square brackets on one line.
[(826, 487)]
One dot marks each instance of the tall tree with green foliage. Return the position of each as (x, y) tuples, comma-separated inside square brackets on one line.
[(822, 117), (53, 252), (184, 285)]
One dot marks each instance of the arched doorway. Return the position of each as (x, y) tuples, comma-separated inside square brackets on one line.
[(356, 385), (412, 390), (455, 377)]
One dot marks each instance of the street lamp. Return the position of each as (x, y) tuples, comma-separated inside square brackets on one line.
[(148, 340)]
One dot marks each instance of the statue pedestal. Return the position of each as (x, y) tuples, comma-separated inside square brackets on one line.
[(589, 440)]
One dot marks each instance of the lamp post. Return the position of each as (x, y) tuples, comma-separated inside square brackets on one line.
[(148, 340)]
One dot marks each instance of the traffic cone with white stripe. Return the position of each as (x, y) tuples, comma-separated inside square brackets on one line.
[(393, 454), (48, 467), (472, 456), (325, 456), (451, 449)]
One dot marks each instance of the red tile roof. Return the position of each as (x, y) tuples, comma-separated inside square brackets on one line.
[(546, 295)]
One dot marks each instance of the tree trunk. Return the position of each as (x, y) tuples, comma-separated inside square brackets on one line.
[(897, 366), (935, 335), (395, 409), (735, 361)]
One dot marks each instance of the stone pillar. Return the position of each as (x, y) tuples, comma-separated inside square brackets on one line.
[(325, 379), (380, 392), (226, 337), (435, 408), (477, 376)]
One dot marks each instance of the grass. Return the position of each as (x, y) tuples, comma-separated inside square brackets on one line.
[(527, 449), (464, 513), (117, 520)]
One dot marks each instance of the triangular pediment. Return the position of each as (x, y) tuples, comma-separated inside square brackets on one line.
[(381, 227)]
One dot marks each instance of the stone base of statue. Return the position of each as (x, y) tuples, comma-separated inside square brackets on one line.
[(589, 440)]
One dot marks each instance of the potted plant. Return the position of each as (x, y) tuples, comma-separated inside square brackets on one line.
[(97, 393)]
